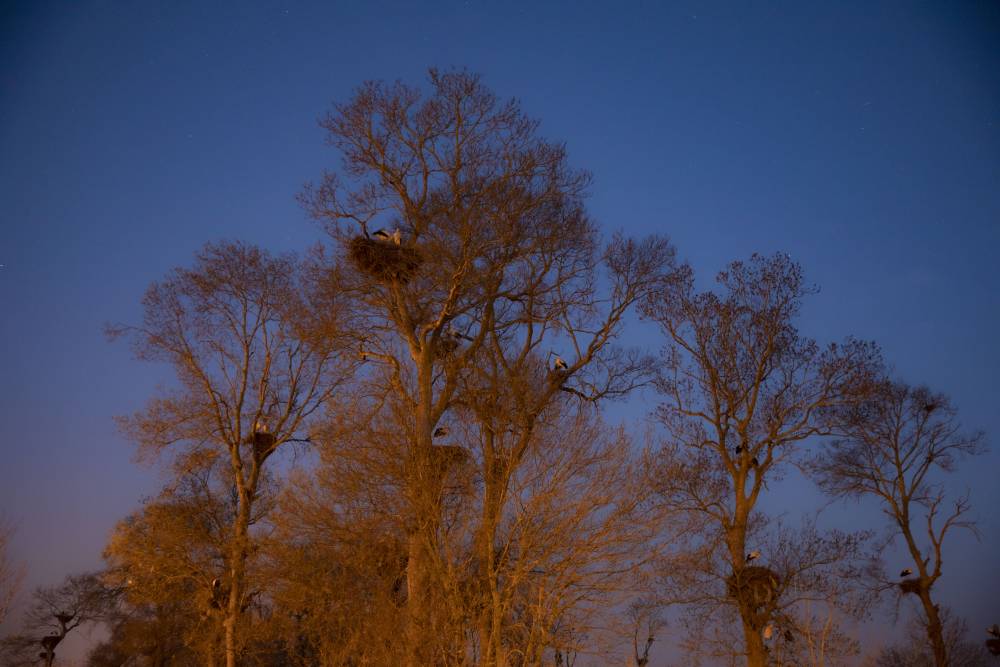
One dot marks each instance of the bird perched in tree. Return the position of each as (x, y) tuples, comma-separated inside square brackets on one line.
[(752, 556), (382, 235), (559, 364), (994, 630), (216, 584), (440, 431), (905, 573), (259, 426), (452, 332), (768, 631)]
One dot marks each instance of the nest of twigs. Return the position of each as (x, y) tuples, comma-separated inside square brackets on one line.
[(384, 260), (447, 346), (262, 443), (993, 646), (446, 457), (910, 586), (755, 585)]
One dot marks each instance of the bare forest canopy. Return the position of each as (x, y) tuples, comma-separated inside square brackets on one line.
[(446, 360)]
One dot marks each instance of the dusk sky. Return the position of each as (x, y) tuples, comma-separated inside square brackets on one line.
[(861, 138)]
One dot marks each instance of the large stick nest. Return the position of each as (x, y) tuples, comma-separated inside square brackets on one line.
[(754, 585), (910, 586), (993, 646), (445, 457), (384, 260)]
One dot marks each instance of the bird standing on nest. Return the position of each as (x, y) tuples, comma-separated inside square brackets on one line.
[(994, 630), (905, 573), (396, 236), (752, 556), (559, 364), (440, 431)]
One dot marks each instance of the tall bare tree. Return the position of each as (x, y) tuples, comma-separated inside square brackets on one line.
[(742, 389), (893, 445), (549, 474), (483, 230), (255, 352)]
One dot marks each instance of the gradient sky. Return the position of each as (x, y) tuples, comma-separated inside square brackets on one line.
[(862, 138)]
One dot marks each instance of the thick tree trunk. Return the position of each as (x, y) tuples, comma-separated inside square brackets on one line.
[(491, 626), (756, 651), (237, 575), (935, 632)]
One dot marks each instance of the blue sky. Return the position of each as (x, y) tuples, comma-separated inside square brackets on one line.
[(861, 138)]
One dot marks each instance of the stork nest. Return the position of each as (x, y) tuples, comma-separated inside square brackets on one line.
[(447, 346), (262, 443), (993, 646), (445, 457), (755, 585), (384, 260), (910, 586)]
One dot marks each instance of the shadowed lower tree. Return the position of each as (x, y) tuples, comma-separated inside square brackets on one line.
[(169, 562), (742, 389), (54, 612), (915, 652), (255, 351), (893, 445), (483, 233)]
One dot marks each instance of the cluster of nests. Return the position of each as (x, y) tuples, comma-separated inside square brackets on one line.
[(384, 257), (754, 585)]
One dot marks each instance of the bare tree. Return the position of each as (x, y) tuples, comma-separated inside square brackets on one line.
[(565, 539), (483, 233), (893, 444), (646, 620), (914, 650), (742, 390), (255, 353), (822, 639), (54, 613), (169, 559)]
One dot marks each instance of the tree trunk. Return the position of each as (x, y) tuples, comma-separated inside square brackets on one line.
[(737, 542), (237, 574), (491, 616), (756, 651), (935, 633), (418, 610)]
